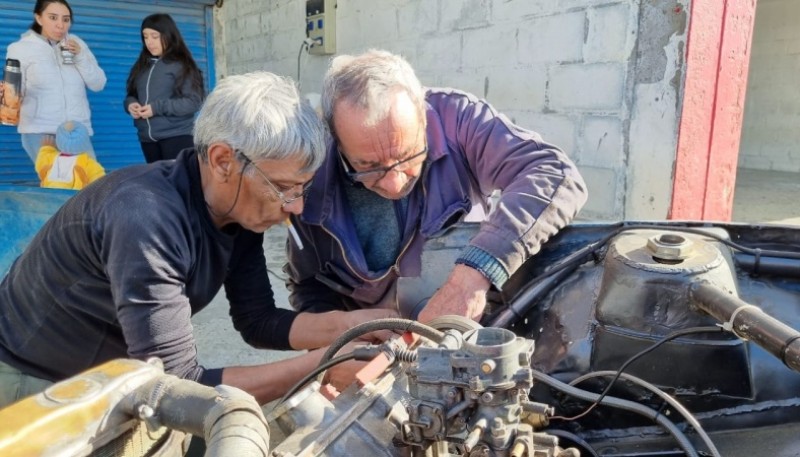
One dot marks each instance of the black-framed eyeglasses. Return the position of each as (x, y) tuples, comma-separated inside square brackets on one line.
[(377, 174), (306, 187)]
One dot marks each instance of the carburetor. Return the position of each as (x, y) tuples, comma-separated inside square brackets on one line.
[(467, 395)]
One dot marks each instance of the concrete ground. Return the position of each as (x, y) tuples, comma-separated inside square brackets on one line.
[(759, 197), (767, 196), (218, 343)]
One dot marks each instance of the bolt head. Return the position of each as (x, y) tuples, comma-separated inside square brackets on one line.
[(670, 246)]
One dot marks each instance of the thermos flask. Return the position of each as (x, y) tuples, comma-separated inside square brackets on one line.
[(12, 97)]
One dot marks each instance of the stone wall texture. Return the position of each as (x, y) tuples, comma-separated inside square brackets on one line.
[(600, 78)]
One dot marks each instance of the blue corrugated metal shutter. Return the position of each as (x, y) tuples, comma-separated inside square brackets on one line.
[(111, 29)]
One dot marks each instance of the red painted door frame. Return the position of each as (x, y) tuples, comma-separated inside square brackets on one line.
[(717, 61)]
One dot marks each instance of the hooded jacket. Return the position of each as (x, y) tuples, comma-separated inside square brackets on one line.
[(65, 171), (173, 112), (472, 151), (53, 92)]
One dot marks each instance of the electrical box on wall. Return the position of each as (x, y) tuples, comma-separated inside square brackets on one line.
[(321, 25)]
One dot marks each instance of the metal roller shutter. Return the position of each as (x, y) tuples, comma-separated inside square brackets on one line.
[(111, 29)]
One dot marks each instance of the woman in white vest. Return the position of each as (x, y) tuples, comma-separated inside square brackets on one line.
[(57, 67)]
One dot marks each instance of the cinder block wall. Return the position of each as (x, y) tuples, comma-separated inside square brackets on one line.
[(599, 78), (770, 133)]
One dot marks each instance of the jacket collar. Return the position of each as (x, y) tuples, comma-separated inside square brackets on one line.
[(37, 38)]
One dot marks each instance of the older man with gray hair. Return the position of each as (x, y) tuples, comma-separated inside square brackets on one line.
[(406, 164), (120, 269)]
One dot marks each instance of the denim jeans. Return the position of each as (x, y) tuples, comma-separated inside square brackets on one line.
[(16, 385)]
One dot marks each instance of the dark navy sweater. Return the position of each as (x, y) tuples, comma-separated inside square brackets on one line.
[(119, 270)]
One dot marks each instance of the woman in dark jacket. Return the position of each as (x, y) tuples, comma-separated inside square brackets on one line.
[(164, 90)]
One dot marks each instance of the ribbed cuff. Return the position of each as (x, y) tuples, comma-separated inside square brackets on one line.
[(482, 261)]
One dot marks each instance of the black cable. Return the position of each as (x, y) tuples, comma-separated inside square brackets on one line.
[(670, 337), (309, 377), (626, 405), (577, 440), (300, 54), (664, 396), (235, 198)]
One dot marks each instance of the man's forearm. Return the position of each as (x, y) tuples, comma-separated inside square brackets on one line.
[(270, 381), (463, 294), (314, 330)]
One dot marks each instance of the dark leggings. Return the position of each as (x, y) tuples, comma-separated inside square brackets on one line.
[(166, 149)]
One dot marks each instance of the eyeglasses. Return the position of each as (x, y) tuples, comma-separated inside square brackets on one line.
[(377, 174), (281, 195)]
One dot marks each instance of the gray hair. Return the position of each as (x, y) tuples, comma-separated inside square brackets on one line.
[(367, 81), (261, 115)]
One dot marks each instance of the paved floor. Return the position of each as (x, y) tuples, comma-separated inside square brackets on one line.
[(218, 343), (767, 196), (759, 197)]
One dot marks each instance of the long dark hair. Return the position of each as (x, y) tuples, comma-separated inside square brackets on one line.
[(174, 49), (42, 5)]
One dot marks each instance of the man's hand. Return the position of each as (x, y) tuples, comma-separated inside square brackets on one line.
[(343, 374), (463, 294)]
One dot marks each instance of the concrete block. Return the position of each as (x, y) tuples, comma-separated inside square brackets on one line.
[(420, 18), (586, 87), (488, 47), (429, 78), (652, 145), (348, 34), (514, 10), (465, 14), (601, 142), (377, 25), (252, 25), (469, 81), (517, 88), (555, 38), (610, 34), (311, 72), (250, 7), (517, 10), (280, 41), (441, 53), (604, 199), (555, 129)]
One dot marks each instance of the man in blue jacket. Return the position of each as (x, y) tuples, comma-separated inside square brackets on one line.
[(405, 164)]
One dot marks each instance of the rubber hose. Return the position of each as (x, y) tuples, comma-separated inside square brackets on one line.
[(664, 396), (381, 324), (633, 407)]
